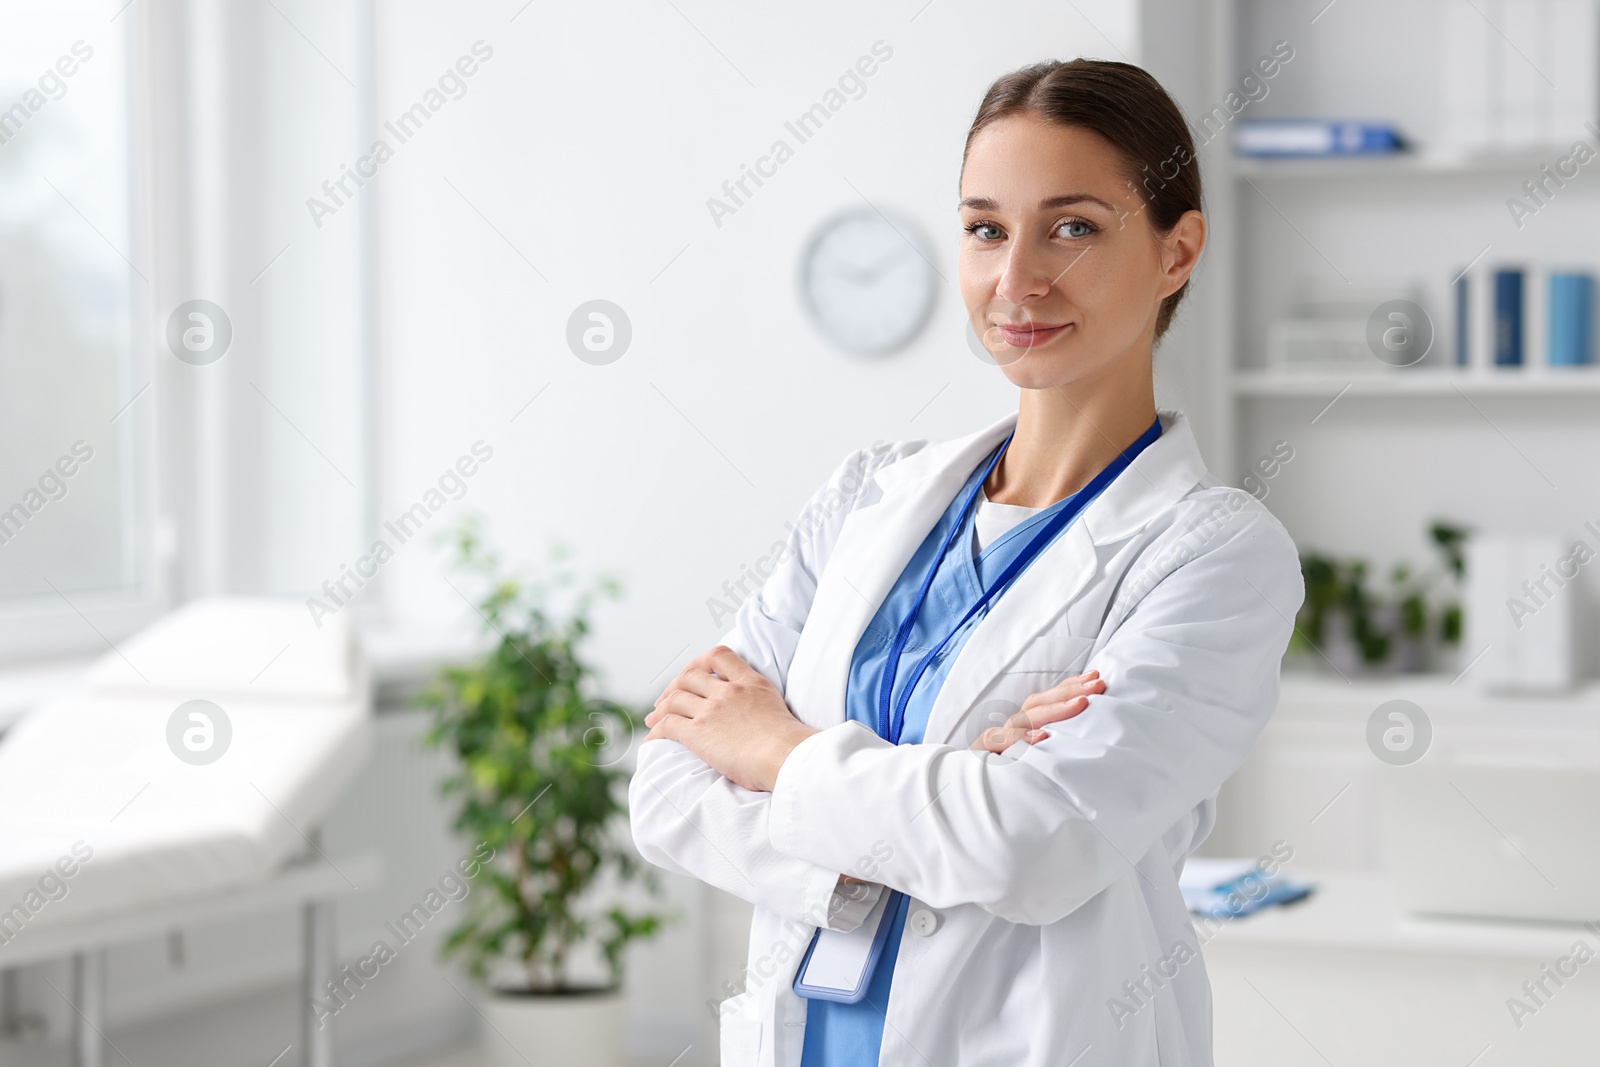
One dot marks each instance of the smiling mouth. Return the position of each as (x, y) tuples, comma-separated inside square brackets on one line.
[(1029, 335)]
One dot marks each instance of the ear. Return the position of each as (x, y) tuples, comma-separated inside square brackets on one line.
[(1180, 251)]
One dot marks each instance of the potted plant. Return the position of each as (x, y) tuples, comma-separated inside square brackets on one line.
[(1345, 625), (538, 789)]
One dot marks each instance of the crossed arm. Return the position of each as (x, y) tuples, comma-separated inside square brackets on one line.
[(1193, 672), (734, 718), (710, 806), (691, 817)]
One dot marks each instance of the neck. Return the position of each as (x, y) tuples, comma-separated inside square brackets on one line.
[(1067, 434)]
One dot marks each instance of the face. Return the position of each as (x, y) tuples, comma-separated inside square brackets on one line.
[(1060, 271)]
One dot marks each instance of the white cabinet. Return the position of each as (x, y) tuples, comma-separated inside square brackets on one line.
[(1348, 976)]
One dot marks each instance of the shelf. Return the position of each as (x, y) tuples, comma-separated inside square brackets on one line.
[(1538, 381), (1398, 165), (1305, 693), (1473, 729)]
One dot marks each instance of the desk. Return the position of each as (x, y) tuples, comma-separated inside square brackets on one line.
[(1346, 978)]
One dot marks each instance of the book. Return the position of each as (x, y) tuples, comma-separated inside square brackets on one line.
[(1507, 318), (1315, 137), (1470, 65), (1574, 66), (1517, 75), (1571, 309), (1527, 94), (1462, 293)]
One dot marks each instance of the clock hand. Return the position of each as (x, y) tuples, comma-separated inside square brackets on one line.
[(850, 273), (882, 264), (872, 271)]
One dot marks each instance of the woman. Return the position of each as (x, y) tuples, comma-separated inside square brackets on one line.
[(818, 763)]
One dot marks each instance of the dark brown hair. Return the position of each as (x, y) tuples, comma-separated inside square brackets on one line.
[(1130, 110)]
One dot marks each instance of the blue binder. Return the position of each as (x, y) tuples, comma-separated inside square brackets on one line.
[(1507, 318), (1571, 311)]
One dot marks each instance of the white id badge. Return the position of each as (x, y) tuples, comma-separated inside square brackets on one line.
[(839, 965)]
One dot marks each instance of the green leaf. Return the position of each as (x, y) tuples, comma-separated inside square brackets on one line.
[(527, 735)]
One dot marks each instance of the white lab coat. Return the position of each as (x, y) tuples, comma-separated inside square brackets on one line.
[(1045, 925)]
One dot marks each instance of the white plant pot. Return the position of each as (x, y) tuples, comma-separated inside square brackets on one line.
[(582, 1029)]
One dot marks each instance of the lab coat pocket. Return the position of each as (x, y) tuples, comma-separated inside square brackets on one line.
[(1055, 656), (1045, 662), (740, 1042)]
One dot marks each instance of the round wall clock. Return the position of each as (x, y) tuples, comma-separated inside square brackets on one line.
[(867, 283)]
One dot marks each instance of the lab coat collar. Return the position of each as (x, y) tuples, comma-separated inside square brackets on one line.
[(1157, 478), (1159, 475), (879, 538)]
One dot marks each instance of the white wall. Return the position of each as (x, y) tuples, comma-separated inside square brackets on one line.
[(591, 141)]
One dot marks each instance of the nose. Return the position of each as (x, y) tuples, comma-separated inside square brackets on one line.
[(1024, 276)]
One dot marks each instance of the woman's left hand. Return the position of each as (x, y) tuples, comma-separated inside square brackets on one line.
[(1064, 700), (731, 716)]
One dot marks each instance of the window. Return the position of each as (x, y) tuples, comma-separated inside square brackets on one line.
[(74, 529), (131, 474)]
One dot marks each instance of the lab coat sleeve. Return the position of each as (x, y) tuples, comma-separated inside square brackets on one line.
[(1030, 835), (688, 818)]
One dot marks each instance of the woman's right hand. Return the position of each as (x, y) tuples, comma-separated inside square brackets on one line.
[(1061, 701)]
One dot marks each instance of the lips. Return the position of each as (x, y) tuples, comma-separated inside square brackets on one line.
[(1029, 334)]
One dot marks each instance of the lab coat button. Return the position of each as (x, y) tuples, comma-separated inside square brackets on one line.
[(924, 922)]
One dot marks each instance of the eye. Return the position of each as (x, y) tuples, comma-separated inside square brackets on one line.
[(984, 231), (1075, 228)]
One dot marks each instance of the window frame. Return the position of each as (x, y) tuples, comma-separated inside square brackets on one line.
[(56, 625)]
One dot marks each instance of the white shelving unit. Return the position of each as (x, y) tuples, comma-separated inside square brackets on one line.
[(1335, 178), (1423, 164), (1348, 976), (1530, 381), (1399, 447)]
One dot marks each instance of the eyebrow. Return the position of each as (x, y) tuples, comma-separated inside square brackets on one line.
[(984, 203)]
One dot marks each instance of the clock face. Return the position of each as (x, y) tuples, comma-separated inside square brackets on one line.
[(866, 285)]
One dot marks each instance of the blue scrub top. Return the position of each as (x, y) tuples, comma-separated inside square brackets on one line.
[(851, 1035)]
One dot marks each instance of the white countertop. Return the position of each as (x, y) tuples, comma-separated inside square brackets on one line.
[(1356, 910)]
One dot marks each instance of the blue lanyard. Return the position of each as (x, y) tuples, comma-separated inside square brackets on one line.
[(890, 728)]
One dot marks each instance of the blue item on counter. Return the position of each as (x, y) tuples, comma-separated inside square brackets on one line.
[(1228, 889)]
